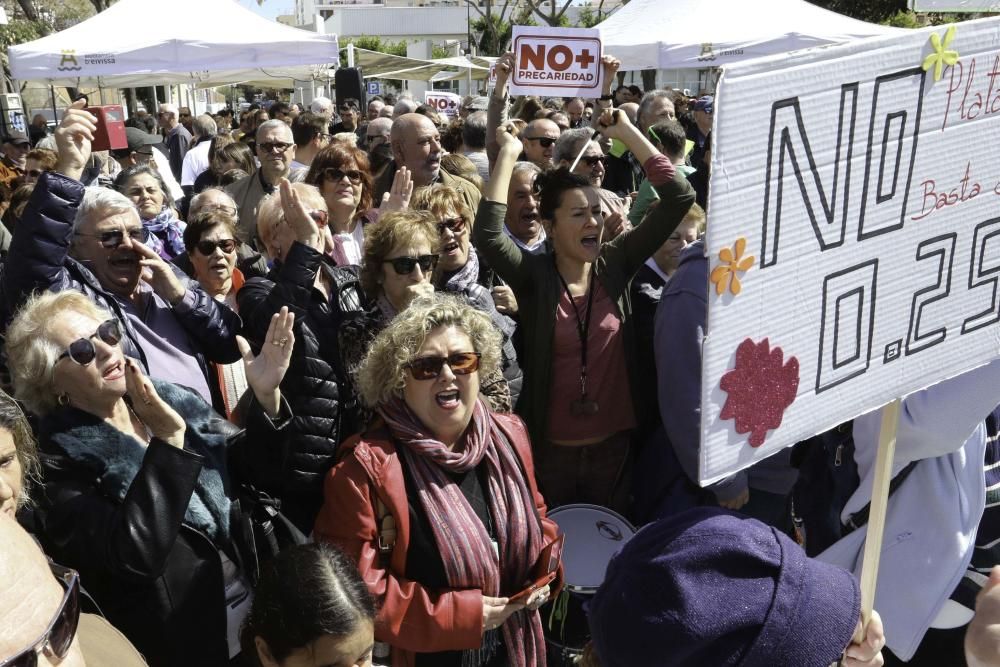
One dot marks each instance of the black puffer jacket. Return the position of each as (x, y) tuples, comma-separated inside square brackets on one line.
[(325, 413), (39, 260), (145, 526)]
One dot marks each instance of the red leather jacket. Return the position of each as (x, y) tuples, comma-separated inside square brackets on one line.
[(411, 618)]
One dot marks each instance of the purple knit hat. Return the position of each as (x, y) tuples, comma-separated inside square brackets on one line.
[(711, 587)]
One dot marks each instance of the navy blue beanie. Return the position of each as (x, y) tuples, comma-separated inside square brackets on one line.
[(711, 587)]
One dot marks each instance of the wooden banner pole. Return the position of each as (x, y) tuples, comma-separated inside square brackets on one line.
[(876, 517)]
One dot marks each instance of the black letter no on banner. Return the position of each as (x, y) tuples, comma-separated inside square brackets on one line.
[(847, 325)]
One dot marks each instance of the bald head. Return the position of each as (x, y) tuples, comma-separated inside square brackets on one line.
[(631, 110), (30, 595), (416, 145), (536, 135)]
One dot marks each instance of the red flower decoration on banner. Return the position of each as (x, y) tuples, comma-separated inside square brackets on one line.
[(760, 389)]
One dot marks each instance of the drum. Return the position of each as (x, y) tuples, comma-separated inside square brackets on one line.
[(593, 535)]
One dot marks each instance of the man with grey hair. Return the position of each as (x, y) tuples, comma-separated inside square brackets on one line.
[(275, 151), (656, 105), (522, 223), (404, 106), (474, 140), (176, 137), (91, 240), (196, 160), (322, 106)]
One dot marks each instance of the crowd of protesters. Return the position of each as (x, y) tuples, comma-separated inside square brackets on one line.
[(427, 343)]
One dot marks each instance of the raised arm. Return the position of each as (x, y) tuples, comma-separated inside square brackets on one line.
[(506, 258), (496, 112)]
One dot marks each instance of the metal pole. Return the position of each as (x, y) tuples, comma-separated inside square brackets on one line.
[(55, 113)]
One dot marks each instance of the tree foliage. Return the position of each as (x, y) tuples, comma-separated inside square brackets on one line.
[(874, 11)]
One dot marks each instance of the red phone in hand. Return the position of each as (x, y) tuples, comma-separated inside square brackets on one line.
[(545, 570)]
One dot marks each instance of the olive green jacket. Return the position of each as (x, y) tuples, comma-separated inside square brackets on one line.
[(536, 284)]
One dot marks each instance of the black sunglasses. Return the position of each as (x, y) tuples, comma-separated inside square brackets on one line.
[(592, 160), (428, 368), (334, 175), (456, 225), (403, 266), (269, 147), (115, 238), (82, 350), (544, 141), (208, 247), (58, 637)]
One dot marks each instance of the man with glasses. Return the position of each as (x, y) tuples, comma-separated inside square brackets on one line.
[(703, 110), (591, 166), (186, 119), (377, 143), (15, 151), (92, 240), (311, 135), (539, 140), (177, 137), (276, 150)]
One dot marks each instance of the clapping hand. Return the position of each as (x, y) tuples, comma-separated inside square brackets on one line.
[(398, 196), (73, 138), (266, 371), (162, 420)]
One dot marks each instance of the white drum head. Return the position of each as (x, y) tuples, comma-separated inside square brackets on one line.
[(593, 535)]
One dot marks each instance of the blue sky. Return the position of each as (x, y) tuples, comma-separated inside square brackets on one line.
[(270, 8)]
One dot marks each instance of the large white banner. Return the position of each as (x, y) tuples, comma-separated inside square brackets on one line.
[(956, 6), (853, 234), (556, 62)]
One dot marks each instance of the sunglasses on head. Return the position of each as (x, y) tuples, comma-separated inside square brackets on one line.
[(208, 247), (82, 350), (334, 175), (428, 368), (115, 238), (456, 225), (403, 266), (544, 141), (58, 637)]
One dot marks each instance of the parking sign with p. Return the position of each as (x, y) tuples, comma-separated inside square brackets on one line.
[(556, 62)]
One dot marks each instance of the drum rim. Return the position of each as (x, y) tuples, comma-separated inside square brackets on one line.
[(608, 510)]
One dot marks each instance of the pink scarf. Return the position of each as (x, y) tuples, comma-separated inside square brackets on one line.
[(466, 547)]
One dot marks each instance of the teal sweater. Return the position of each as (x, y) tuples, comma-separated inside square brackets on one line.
[(535, 283)]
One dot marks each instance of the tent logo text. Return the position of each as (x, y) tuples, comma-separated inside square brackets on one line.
[(68, 56)]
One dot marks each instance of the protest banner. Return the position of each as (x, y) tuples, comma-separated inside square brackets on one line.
[(853, 235), (556, 62), (443, 102)]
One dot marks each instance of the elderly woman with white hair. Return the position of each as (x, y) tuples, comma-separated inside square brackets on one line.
[(91, 240), (140, 476), (304, 278)]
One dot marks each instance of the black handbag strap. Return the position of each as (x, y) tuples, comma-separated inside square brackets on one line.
[(860, 518)]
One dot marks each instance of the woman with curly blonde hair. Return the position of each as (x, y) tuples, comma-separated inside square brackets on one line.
[(437, 501)]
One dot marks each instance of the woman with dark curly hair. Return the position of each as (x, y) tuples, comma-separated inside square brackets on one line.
[(342, 174)]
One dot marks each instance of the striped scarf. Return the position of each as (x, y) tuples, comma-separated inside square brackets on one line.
[(465, 545)]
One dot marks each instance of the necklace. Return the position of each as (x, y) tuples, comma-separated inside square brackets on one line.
[(583, 406)]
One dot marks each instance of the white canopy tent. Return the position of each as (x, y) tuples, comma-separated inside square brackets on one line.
[(680, 34), (134, 43), (387, 66)]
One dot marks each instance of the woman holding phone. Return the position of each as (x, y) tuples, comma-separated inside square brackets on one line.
[(437, 501)]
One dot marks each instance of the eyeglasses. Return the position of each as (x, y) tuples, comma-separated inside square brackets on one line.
[(334, 175), (228, 210), (403, 266), (428, 368), (456, 225), (185, 115), (113, 239), (58, 637), (34, 173), (544, 141), (592, 160), (270, 146), (208, 247), (82, 350)]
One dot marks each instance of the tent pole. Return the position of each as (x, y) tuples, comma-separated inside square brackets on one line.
[(55, 114), (156, 103)]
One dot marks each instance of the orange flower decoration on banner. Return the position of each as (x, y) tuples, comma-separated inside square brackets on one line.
[(732, 263)]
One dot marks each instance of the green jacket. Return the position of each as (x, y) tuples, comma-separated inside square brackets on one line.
[(538, 289)]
